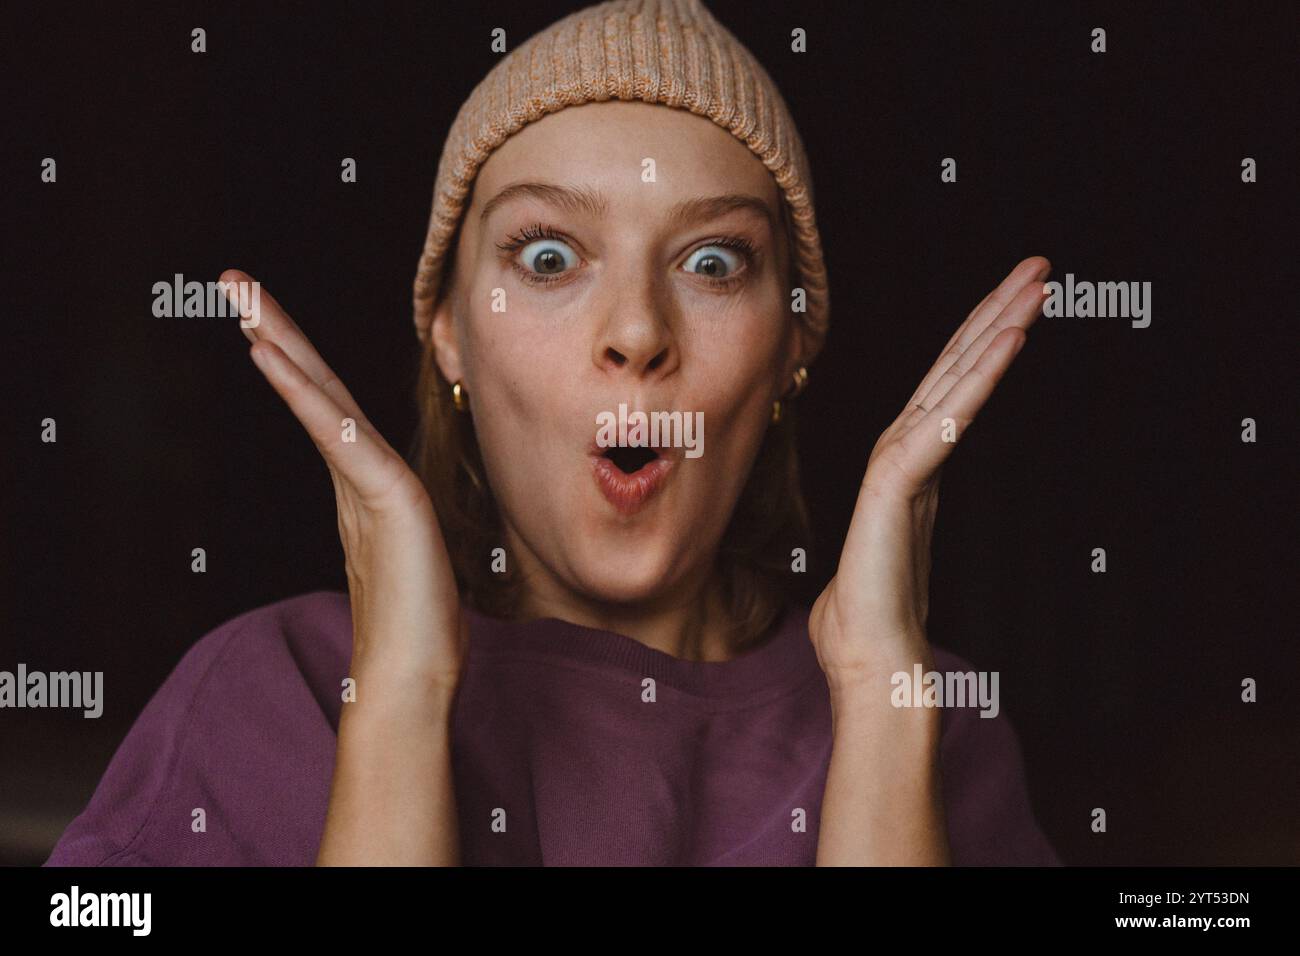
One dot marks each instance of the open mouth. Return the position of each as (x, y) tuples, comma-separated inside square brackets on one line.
[(630, 476), (630, 460)]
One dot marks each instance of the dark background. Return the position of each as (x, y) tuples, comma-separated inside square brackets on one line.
[(1123, 166)]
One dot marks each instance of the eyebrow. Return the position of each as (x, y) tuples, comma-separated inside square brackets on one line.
[(592, 203)]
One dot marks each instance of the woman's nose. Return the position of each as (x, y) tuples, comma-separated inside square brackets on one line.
[(636, 340)]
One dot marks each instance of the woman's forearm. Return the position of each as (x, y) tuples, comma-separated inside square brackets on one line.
[(391, 799), (392, 802), (883, 804)]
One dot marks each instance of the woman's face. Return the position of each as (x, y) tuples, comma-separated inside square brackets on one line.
[(619, 254)]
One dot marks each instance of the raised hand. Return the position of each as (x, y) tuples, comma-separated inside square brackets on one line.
[(883, 800), (391, 801), (875, 608)]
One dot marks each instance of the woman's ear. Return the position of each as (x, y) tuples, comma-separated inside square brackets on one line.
[(446, 346), (807, 345), (797, 349)]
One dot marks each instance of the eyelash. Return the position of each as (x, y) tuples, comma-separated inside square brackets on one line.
[(516, 242), (533, 233)]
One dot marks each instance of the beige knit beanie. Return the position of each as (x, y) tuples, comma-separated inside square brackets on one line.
[(658, 51)]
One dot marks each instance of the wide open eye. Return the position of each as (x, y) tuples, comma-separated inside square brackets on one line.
[(547, 257), (713, 262)]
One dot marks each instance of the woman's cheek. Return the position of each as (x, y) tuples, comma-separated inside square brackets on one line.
[(729, 436), (516, 345)]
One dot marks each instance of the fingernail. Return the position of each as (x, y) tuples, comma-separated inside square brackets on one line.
[(261, 359)]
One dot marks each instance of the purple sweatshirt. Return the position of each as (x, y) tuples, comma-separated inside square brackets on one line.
[(558, 758)]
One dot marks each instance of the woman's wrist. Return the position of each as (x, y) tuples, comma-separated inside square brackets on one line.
[(379, 675), (393, 799), (413, 712), (883, 804), (864, 717)]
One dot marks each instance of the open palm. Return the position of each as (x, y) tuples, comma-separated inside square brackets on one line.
[(870, 620)]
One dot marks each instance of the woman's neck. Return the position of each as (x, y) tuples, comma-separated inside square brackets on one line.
[(691, 622)]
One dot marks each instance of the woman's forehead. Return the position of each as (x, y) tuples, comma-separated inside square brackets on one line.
[(625, 155)]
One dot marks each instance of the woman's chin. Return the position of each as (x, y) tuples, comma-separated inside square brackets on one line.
[(622, 575)]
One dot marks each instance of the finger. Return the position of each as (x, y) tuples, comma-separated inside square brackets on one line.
[(926, 446), (1031, 270), (1035, 269), (1021, 313), (367, 464), (268, 320)]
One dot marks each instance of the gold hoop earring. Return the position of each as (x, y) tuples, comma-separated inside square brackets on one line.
[(800, 380), (459, 397)]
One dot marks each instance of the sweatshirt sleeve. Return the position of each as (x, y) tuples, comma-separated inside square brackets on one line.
[(107, 831), (990, 819), (230, 762)]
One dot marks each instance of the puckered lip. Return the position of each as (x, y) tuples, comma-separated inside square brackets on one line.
[(629, 493)]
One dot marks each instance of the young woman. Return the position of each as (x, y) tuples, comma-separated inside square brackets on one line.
[(559, 645)]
